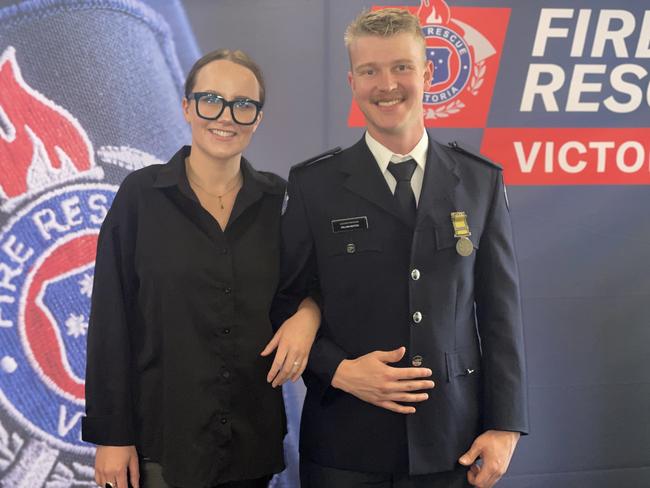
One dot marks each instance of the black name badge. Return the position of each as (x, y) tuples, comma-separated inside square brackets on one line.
[(352, 223)]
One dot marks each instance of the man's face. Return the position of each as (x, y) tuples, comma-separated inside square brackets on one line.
[(388, 78), (223, 138)]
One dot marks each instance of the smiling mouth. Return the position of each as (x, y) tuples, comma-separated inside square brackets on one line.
[(223, 133), (387, 101)]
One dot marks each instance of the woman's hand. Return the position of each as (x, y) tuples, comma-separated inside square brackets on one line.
[(114, 463), (293, 341)]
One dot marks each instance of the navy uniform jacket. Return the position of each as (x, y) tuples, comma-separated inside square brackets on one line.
[(383, 284)]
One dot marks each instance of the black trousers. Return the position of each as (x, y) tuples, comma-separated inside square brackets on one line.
[(313, 475), (151, 477)]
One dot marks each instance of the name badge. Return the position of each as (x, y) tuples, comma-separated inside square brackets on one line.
[(352, 223)]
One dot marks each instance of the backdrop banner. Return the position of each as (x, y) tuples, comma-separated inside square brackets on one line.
[(557, 93)]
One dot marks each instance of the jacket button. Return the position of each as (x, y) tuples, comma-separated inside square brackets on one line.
[(226, 374), (417, 317), (351, 248), (227, 291), (224, 420), (226, 331), (416, 361), (415, 274)]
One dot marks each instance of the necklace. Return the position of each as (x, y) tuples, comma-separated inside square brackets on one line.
[(234, 183)]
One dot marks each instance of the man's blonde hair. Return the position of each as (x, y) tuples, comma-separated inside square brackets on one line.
[(385, 22)]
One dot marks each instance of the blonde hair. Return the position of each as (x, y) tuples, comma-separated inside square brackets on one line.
[(385, 22)]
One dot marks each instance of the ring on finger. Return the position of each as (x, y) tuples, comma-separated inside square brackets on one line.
[(108, 484)]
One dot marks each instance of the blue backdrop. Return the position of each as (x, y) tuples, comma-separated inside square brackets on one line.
[(558, 93)]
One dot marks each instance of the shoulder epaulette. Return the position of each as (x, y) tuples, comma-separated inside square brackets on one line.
[(457, 146), (320, 157)]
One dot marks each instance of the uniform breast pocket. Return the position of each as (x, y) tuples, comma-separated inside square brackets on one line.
[(444, 238), (352, 244)]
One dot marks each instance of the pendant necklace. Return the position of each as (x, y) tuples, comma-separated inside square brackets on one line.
[(229, 188)]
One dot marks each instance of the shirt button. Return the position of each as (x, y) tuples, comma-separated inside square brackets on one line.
[(415, 274), (224, 250), (351, 248), (416, 361), (224, 420), (417, 317), (227, 291)]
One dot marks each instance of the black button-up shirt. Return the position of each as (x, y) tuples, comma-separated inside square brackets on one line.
[(180, 313)]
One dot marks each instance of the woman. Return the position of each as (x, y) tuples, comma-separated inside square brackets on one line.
[(187, 265)]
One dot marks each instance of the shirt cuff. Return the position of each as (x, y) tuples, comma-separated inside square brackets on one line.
[(107, 430)]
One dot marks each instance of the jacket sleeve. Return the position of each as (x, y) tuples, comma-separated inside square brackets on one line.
[(109, 403), (299, 279), (499, 317)]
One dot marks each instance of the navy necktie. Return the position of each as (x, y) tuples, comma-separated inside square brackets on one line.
[(403, 191)]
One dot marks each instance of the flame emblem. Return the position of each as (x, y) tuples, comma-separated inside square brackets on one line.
[(41, 143), (434, 12)]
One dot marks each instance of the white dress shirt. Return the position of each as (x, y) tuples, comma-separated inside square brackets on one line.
[(383, 156)]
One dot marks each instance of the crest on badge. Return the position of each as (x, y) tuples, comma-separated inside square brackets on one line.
[(53, 200)]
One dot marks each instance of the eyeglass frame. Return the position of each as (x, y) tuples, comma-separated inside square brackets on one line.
[(225, 103)]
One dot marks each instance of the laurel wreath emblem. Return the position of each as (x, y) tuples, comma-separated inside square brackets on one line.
[(455, 106), (445, 111), (478, 76)]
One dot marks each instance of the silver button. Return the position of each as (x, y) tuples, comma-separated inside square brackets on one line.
[(417, 317), (351, 248), (416, 361), (415, 274)]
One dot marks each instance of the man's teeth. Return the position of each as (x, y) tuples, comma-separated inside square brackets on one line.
[(222, 133), (388, 103)]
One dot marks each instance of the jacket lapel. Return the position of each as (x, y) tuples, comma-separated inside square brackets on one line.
[(365, 179), (439, 185)]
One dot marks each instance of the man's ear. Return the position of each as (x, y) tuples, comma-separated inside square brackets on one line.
[(428, 74)]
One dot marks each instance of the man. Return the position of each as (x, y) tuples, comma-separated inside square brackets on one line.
[(407, 244)]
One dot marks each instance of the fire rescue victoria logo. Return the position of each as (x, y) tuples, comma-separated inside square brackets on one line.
[(54, 199), (465, 52)]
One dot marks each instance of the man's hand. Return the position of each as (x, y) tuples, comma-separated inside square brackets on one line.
[(495, 449), (293, 341), (370, 379), (112, 464)]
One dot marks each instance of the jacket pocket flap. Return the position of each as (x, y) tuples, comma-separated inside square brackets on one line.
[(445, 237), (459, 364)]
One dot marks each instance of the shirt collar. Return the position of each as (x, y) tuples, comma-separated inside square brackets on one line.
[(173, 174), (383, 155)]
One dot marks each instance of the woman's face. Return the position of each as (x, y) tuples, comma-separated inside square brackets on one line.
[(223, 138)]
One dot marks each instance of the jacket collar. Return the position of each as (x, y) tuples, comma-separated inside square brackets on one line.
[(366, 180)]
